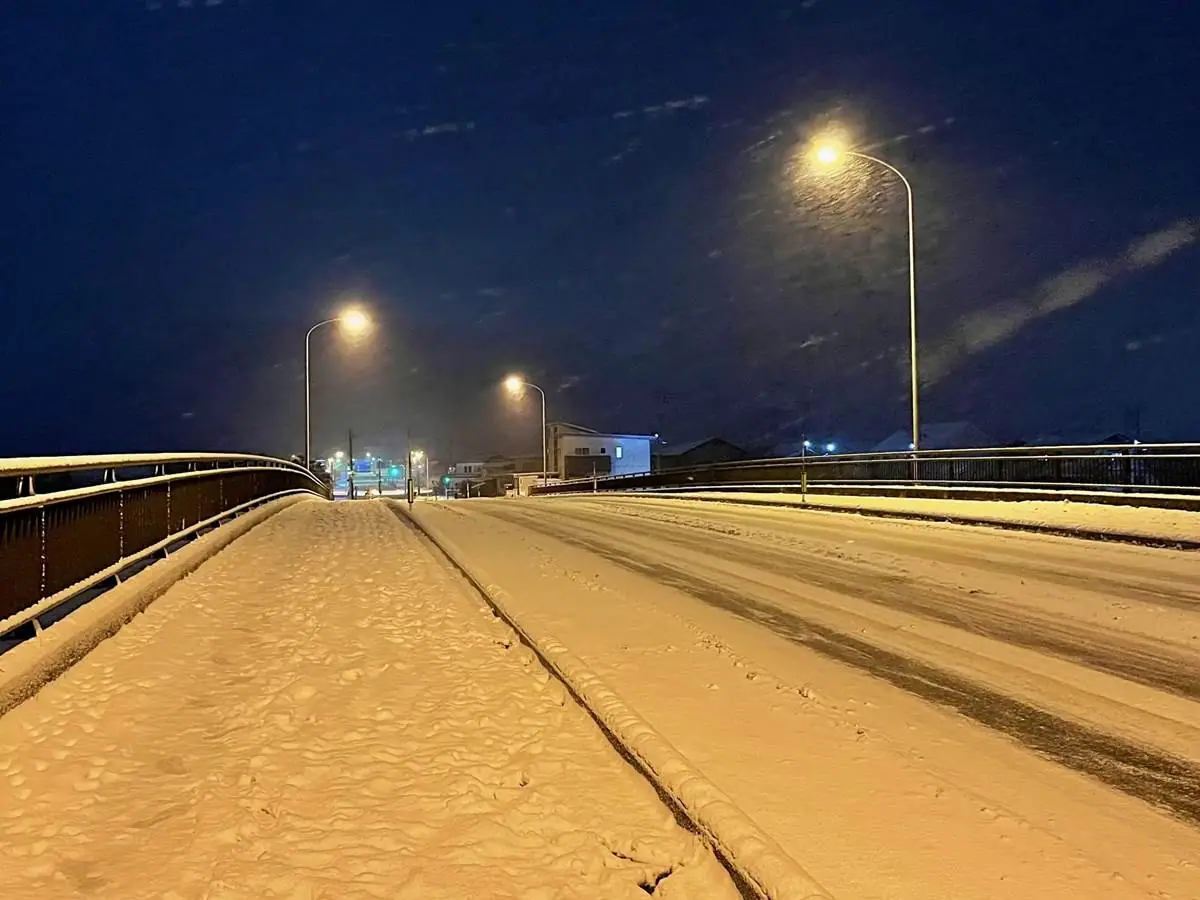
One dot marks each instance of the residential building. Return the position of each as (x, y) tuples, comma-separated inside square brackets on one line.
[(491, 477), (578, 452)]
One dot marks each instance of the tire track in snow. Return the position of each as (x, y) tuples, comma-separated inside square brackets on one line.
[(1154, 777), (1075, 642), (1133, 583)]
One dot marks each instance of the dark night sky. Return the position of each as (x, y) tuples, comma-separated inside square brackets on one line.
[(606, 194)]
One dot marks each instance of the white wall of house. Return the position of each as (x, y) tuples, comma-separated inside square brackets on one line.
[(629, 454)]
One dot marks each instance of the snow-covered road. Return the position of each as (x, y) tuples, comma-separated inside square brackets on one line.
[(325, 710), (912, 710)]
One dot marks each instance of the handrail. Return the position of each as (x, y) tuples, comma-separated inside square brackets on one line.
[(53, 465), (66, 496), (1171, 467)]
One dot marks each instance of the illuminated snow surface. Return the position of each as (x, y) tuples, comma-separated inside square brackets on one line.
[(325, 711), (910, 709)]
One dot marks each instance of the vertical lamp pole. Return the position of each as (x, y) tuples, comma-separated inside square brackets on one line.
[(514, 384), (829, 155), (355, 322)]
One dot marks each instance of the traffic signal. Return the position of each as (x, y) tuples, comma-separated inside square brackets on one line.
[(445, 479), (394, 471)]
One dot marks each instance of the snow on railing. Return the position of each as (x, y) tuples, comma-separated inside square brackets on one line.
[(70, 524)]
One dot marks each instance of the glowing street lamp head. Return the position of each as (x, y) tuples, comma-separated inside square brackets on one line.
[(514, 384), (827, 154), (354, 321)]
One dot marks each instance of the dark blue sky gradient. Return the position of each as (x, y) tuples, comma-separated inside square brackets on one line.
[(606, 195)]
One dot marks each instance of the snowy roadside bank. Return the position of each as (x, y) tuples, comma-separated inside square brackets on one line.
[(324, 709), (749, 850), (1064, 516)]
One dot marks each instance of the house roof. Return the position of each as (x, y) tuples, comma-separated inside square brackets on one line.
[(681, 447), (571, 428), (937, 436)]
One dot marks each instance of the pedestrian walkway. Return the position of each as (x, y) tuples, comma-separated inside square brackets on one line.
[(325, 710)]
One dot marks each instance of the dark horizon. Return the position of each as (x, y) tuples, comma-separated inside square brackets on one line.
[(612, 200)]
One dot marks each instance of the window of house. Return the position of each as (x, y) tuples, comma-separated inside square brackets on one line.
[(604, 451), (620, 451), (583, 451)]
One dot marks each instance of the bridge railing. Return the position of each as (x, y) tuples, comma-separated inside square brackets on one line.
[(68, 524), (1162, 469)]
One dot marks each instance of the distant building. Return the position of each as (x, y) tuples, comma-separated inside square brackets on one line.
[(465, 470), (697, 453), (937, 436), (1114, 440), (578, 452), (459, 475), (498, 465), (491, 477)]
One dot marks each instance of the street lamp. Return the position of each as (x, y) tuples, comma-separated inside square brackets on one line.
[(354, 322), (515, 385), (830, 155), (417, 456)]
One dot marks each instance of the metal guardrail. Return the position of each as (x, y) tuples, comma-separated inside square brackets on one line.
[(68, 524), (1169, 469)]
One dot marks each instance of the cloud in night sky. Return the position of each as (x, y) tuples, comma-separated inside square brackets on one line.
[(983, 330)]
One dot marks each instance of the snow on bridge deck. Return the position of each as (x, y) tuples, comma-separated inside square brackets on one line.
[(324, 710)]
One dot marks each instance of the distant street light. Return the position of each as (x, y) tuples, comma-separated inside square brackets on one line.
[(515, 385), (828, 155), (354, 322), (417, 457)]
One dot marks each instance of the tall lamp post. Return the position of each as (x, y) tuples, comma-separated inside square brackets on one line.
[(828, 155), (418, 456), (515, 384), (353, 322)]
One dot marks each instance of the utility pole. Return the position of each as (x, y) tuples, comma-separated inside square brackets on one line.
[(350, 470), (408, 472)]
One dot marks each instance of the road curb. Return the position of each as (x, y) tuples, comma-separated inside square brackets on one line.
[(753, 857)]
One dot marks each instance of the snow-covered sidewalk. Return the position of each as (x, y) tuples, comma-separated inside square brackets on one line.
[(324, 710)]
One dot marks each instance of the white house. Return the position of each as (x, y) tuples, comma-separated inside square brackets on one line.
[(578, 452)]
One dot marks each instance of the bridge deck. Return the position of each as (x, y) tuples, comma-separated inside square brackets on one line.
[(309, 716)]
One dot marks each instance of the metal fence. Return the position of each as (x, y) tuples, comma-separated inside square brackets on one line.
[(1171, 469), (68, 524)]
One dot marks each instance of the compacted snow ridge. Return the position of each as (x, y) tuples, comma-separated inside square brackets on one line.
[(910, 709), (1124, 522), (325, 710)]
